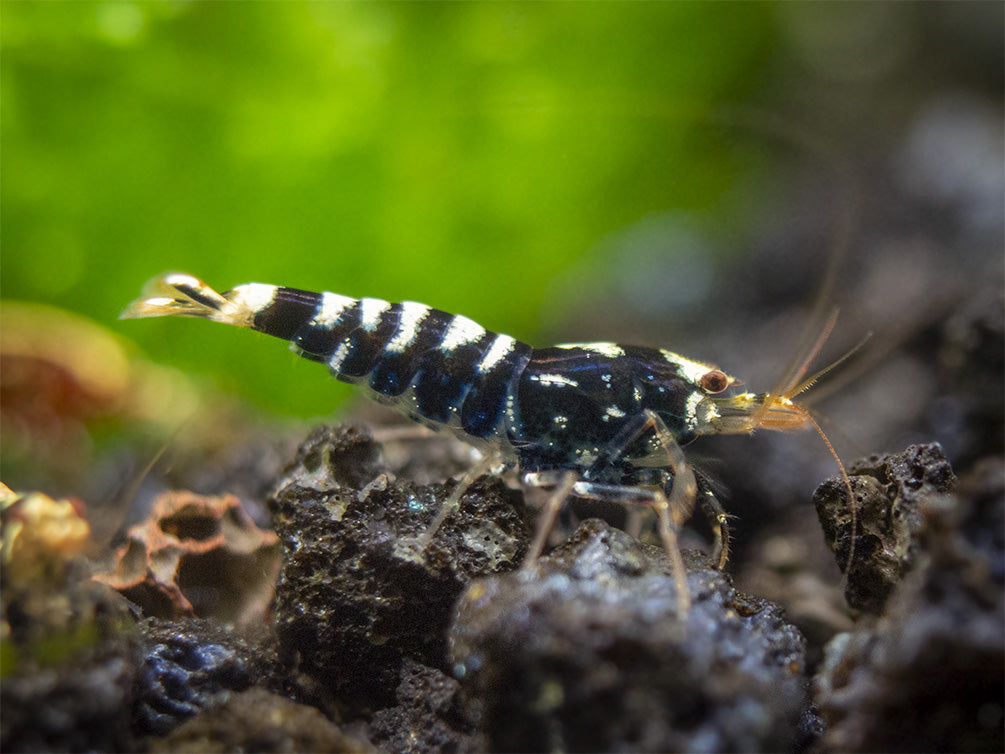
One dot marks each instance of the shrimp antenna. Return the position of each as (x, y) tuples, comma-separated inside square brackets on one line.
[(806, 384), (794, 383), (788, 384), (808, 416)]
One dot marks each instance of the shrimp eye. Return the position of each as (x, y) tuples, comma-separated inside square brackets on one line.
[(714, 381)]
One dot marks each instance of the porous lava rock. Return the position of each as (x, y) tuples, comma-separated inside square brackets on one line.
[(928, 674), (588, 652), (356, 596), (888, 491)]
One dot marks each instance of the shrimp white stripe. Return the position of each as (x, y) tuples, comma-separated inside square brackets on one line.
[(554, 379), (331, 309), (412, 315), (461, 332), (692, 370), (253, 296), (370, 311), (335, 362), (694, 402), (501, 347), (612, 350)]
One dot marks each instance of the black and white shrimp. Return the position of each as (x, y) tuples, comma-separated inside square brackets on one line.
[(595, 420)]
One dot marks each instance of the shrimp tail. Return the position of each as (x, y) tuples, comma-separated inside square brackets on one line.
[(180, 295)]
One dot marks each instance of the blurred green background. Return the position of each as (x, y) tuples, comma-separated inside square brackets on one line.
[(472, 156), (459, 154)]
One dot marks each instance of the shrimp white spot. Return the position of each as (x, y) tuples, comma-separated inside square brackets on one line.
[(554, 379), (158, 301), (461, 331), (331, 309), (611, 350), (613, 412), (511, 409), (501, 347), (412, 315), (561, 421), (370, 311), (182, 280)]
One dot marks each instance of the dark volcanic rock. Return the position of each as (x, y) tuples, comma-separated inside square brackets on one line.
[(928, 676), (428, 717), (588, 652), (260, 721), (888, 492), (355, 596)]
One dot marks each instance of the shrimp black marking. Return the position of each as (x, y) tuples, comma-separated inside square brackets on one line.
[(596, 420)]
